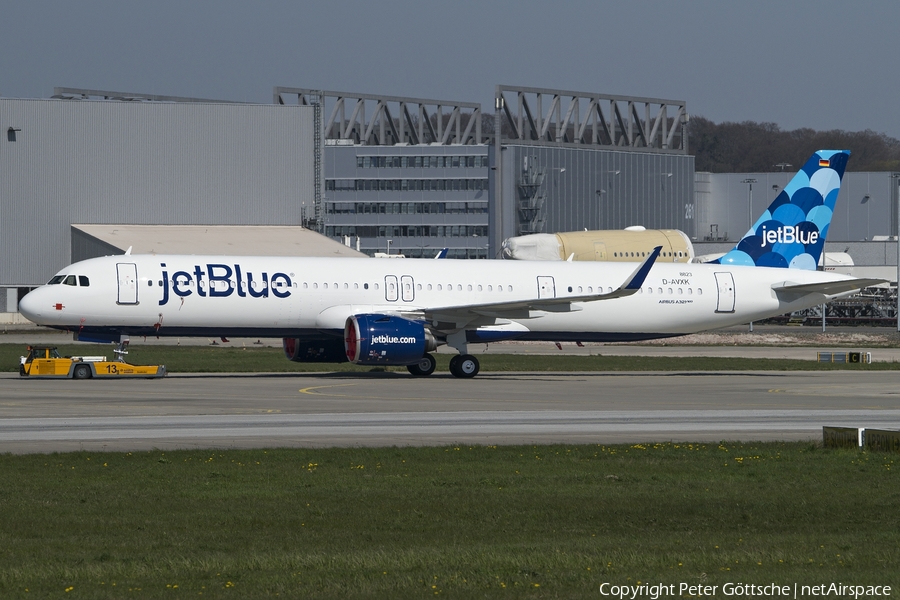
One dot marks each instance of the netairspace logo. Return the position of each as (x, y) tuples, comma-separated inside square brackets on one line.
[(743, 590), (392, 339)]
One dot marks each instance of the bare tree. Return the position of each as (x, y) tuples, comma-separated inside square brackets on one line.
[(751, 147)]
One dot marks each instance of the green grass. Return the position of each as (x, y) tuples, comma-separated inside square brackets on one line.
[(465, 522), (210, 359)]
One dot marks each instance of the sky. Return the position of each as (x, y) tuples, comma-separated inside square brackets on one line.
[(820, 64)]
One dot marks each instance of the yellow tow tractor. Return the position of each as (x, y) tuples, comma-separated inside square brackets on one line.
[(45, 361)]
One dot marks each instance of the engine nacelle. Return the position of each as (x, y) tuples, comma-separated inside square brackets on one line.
[(329, 350), (386, 340)]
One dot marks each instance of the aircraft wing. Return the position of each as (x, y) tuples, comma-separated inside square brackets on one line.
[(466, 313), (828, 288)]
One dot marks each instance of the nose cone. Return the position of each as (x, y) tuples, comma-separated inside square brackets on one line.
[(31, 306)]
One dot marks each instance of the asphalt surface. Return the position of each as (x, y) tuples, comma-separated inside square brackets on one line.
[(384, 409), (766, 341), (378, 409)]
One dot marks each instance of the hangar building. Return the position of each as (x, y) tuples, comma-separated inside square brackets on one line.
[(141, 160), (424, 174), (91, 172)]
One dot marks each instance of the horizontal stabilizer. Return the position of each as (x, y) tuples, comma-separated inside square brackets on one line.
[(829, 288)]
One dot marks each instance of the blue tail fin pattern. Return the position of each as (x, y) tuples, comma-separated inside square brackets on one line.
[(791, 233)]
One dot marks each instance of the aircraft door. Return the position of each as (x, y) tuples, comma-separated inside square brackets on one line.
[(391, 293), (546, 287), (599, 251), (725, 284), (127, 275), (407, 289)]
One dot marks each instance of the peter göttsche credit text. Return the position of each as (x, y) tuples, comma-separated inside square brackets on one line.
[(743, 590)]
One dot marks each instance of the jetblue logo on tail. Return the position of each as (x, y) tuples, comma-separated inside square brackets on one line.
[(791, 233), (788, 235)]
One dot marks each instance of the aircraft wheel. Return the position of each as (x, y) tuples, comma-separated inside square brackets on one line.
[(424, 367), (81, 372), (454, 365), (466, 366)]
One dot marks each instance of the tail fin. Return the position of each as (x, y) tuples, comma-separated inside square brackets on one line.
[(791, 233)]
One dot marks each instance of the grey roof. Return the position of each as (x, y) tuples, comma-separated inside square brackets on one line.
[(251, 240)]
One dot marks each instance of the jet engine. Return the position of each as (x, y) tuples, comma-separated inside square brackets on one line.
[(374, 339), (329, 350)]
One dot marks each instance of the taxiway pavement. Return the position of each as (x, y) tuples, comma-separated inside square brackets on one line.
[(384, 409)]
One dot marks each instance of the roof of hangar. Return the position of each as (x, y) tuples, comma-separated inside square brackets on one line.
[(237, 240)]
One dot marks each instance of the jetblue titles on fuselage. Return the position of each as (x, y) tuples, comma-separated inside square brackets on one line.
[(185, 283)]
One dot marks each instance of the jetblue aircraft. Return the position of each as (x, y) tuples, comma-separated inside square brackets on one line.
[(396, 312)]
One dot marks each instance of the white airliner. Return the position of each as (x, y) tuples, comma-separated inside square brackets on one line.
[(395, 312)]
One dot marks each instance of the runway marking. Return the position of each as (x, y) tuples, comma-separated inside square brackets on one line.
[(311, 392), (835, 391)]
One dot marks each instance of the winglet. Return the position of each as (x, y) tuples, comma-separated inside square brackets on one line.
[(631, 286), (442, 253), (640, 274)]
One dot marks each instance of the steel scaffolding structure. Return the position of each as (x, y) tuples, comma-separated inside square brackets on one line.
[(872, 306), (615, 122), (392, 119)]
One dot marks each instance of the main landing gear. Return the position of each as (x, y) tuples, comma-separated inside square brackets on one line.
[(464, 366)]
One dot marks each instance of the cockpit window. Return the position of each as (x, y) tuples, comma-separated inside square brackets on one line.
[(70, 280), (83, 281), (56, 279)]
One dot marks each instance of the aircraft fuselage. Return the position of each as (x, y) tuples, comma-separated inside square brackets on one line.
[(283, 297)]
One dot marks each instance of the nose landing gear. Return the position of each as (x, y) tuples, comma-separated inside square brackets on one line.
[(424, 367)]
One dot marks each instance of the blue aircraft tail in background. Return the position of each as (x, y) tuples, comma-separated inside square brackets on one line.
[(791, 233)]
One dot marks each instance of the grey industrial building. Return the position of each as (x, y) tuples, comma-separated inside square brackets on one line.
[(866, 210), (425, 174), (93, 172), (158, 162)]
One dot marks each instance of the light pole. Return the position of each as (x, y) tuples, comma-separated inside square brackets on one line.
[(750, 182), (896, 177), (612, 185), (865, 201)]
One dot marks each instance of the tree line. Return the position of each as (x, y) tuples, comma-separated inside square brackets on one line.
[(745, 147), (750, 147)]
